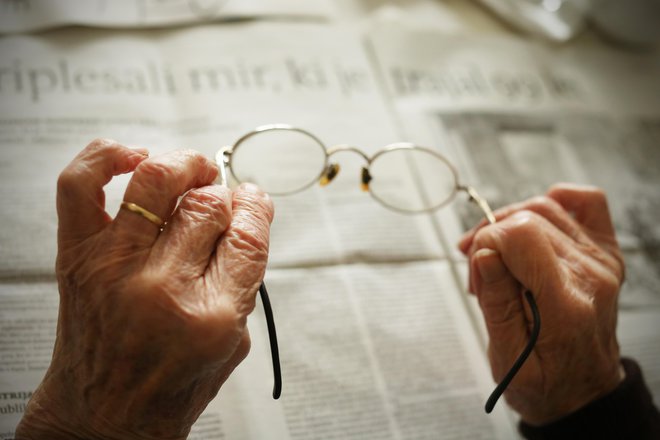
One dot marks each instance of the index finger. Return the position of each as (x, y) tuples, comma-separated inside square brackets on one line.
[(547, 207), (80, 196)]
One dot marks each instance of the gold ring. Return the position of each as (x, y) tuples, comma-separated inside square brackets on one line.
[(153, 218)]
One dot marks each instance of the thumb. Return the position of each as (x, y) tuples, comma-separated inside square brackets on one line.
[(242, 252), (501, 302)]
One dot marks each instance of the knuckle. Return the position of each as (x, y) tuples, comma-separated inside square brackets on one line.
[(226, 318), (257, 204), (614, 267), (619, 266), (155, 175), (100, 144), (154, 172), (525, 225), (598, 195), (594, 279), (102, 148), (526, 218), (484, 237), (87, 164), (196, 157), (207, 202), (546, 207), (69, 179), (543, 205), (220, 327), (244, 347), (195, 160), (250, 239), (173, 169), (610, 286), (246, 304)]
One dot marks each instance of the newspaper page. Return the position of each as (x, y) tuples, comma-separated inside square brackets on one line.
[(516, 117), (375, 341), (198, 88), (380, 351), (33, 15), (28, 318)]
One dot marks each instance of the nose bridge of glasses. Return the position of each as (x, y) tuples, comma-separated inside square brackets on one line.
[(333, 169), (345, 147)]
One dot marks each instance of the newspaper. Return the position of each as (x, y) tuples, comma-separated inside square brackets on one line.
[(374, 336), (377, 336), (196, 88), (516, 117), (32, 15)]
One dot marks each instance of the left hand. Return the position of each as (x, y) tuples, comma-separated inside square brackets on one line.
[(151, 323)]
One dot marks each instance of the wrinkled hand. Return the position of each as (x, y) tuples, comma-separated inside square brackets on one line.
[(151, 323), (561, 247)]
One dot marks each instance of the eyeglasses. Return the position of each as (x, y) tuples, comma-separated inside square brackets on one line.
[(285, 160), (403, 177)]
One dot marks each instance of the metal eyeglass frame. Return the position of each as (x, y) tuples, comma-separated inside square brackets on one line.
[(328, 172)]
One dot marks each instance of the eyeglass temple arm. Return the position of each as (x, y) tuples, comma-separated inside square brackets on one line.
[(222, 159), (481, 203), (536, 316), (272, 339)]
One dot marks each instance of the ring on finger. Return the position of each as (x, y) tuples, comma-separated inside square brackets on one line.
[(153, 218)]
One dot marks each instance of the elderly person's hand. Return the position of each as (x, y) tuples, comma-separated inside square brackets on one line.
[(151, 323), (561, 247)]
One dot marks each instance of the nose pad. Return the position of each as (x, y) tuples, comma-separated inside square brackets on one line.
[(365, 179), (329, 173)]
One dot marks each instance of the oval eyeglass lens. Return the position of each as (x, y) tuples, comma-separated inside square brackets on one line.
[(279, 160), (412, 179)]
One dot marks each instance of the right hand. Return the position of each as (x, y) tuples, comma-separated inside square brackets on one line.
[(562, 248)]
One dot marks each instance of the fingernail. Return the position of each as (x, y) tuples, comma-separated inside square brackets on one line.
[(140, 150), (490, 265), (250, 187)]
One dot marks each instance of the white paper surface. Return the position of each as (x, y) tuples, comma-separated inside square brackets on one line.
[(369, 351), (28, 319), (196, 88), (362, 295)]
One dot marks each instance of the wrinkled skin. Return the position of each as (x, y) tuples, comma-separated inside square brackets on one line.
[(151, 323), (562, 248)]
